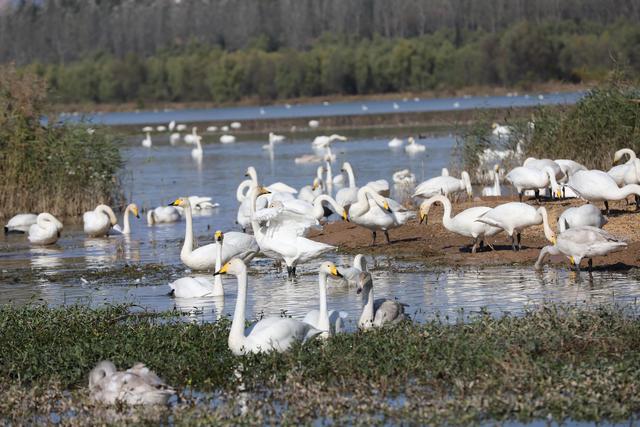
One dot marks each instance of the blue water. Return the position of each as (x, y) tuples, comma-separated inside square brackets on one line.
[(285, 111)]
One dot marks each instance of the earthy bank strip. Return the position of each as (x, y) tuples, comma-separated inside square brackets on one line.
[(435, 245)]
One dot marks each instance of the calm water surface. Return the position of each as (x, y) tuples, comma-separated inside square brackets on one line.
[(80, 269)]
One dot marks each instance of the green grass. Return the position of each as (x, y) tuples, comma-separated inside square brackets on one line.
[(568, 362)]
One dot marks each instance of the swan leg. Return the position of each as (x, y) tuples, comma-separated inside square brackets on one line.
[(475, 243), (590, 264), (491, 246), (606, 206), (513, 243), (520, 196), (537, 194), (373, 242), (519, 245), (481, 244), (563, 193), (289, 272), (386, 234), (637, 202)]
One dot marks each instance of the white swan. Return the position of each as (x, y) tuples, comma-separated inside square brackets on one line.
[(376, 313), (395, 143), (198, 287), (197, 153), (501, 131), (374, 212), (404, 178), (581, 216), (135, 386), (596, 185), (569, 167), (314, 124), (181, 127), (268, 334), (529, 178), (20, 223), (191, 138), (172, 125), (541, 164), (227, 139), (238, 245), (274, 139), (146, 142), (161, 128), (323, 141), (582, 242), (147, 129), (444, 172), (163, 214), (174, 138), (464, 223), (628, 172), (495, 189), (413, 147), (212, 128), (283, 242), (514, 217), (329, 322), (46, 230), (310, 192), (276, 187), (444, 185), (200, 203), (350, 274), (99, 221), (133, 208)]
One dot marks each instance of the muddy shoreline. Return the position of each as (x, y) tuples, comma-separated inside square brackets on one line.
[(432, 244)]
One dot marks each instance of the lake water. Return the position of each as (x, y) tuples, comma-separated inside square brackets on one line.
[(79, 269), (286, 111)]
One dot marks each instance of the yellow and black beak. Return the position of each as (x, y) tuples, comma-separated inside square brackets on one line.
[(335, 272), (423, 217), (386, 207), (263, 190), (218, 235), (554, 240), (223, 270), (344, 215), (135, 212), (572, 260), (176, 202)]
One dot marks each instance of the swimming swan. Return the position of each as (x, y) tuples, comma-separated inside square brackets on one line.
[(20, 223), (268, 334), (329, 322), (582, 242), (131, 207), (163, 214), (46, 230), (203, 258), (198, 287), (135, 386), (378, 312), (514, 217), (413, 147), (99, 221), (464, 223)]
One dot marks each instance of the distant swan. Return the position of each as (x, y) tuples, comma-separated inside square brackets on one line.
[(147, 143), (413, 147)]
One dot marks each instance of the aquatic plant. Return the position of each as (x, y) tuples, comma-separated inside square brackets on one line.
[(561, 362), (60, 168)]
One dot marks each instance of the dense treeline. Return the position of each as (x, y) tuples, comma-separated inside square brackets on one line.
[(63, 30), (523, 53)]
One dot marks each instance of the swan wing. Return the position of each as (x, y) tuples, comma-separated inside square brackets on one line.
[(191, 287), (387, 311)]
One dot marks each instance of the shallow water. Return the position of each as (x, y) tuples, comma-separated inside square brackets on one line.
[(286, 111), (89, 270)]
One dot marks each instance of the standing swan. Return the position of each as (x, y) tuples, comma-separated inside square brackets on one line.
[(464, 223), (376, 312), (197, 287), (596, 185), (46, 230), (98, 221), (268, 334), (203, 258), (329, 322), (581, 216), (132, 207), (514, 217), (582, 242), (135, 386)]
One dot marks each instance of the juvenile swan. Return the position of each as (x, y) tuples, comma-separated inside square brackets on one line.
[(135, 386), (377, 312)]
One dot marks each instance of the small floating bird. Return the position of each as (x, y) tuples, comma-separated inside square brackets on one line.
[(135, 386), (269, 334), (582, 242), (46, 230), (376, 313), (314, 123), (235, 125)]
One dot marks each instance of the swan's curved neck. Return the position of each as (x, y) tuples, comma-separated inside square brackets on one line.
[(323, 318), (236, 334), (632, 154), (126, 229), (546, 251), (317, 205), (217, 280), (629, 189), (187, 247), (548, 233), (253, 175), (151, 217), (366, 318), (496, 183), (360, 262), (240, 191), (255, 226), (329, 176), (352, 179), (109, 212), (446, 214)]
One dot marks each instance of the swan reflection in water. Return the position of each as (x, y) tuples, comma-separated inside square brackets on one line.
[(49, 259), (201, 309)]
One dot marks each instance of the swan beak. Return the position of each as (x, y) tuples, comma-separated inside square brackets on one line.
[(344, 215), (176, 202), (554, 240), (218, 235), (223, 270), (572, 260), (558, 194), (263, 190), (423, 217), (359, 289), (386, 207), (335, 272), (314, 186), (135, 212)]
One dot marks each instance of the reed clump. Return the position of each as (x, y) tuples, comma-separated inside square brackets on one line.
[(60, 168), (563, 362)]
